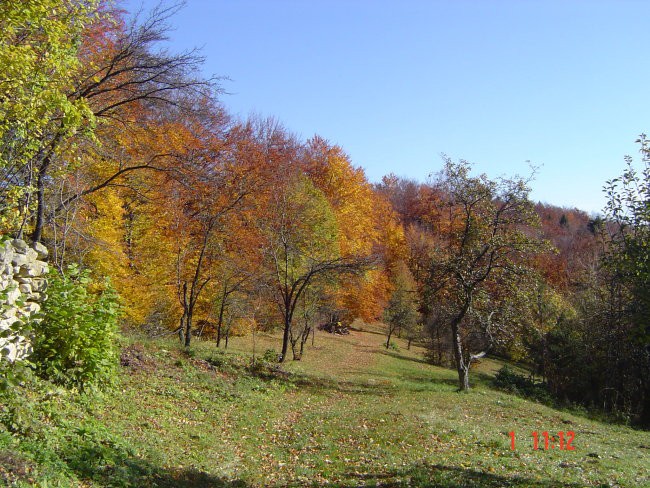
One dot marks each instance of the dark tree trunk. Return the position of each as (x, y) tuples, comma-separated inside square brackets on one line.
[(293, 341), (37, 235), (303, 339), (188, 329), (302, 347), (390, 334), (285, 338)]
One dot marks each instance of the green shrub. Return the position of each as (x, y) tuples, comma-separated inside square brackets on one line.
[(270, 356), (265, 365), (506, 379), (75, 342)]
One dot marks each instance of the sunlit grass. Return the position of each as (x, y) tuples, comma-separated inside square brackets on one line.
[(351, 413)]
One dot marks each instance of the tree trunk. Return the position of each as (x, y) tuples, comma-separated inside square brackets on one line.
[(303, 339), (461, 367), (408, 346), (293, 341), (37, 235), (302, 347), (220, 324), (390, 333), (181, 328), (188, 329), (285, 339), (464, 380)]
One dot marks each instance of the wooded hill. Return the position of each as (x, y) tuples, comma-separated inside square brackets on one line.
[(120, 158)]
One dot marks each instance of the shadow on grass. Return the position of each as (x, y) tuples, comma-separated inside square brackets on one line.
[(366, 331), (275, 374), (439, 476), (396, 355), (374, 383), (113, 466)]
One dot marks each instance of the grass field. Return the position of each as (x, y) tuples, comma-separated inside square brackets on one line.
[(351, 413)]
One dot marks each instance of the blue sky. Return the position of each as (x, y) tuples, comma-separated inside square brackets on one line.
[(563, 84)]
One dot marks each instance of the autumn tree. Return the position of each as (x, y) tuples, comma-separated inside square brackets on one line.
[(213, 184), (301, 246), (402, 314), (39, 59), (366, 224), (308, 309), (235, 270), (481, 257), (116, 74)]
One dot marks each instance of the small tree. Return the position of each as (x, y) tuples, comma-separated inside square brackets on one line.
[(301, 247), (307, 312), (402, 314), (628, 263), (485, 236)]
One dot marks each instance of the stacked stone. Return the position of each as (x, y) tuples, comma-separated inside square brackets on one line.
[(22, 290)]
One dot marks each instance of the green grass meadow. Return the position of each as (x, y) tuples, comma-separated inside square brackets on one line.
[(351, 413)]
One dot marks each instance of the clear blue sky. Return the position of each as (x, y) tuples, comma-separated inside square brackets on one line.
[(563, 84)]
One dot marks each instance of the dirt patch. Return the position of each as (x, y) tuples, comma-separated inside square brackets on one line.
[(134, 358), (14, 468)]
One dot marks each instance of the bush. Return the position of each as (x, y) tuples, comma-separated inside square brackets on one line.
[(267, 364), (506, 379), (270, 356), (75, 340)]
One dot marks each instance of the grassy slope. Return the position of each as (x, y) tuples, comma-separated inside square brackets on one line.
[(351, 414)]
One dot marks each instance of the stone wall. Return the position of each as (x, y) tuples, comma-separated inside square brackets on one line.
[(22, 289)]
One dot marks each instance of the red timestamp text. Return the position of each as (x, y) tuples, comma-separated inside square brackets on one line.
[(562, 441)]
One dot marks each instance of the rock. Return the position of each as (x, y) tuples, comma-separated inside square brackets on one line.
[(7, 323), (10, 312), (31, 255), (19, 245), (19, 260), (41, 250), (12, 295), (35, 297), (23, 286), (6, 255), (39, 284), (37, 268), (31, 308)]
